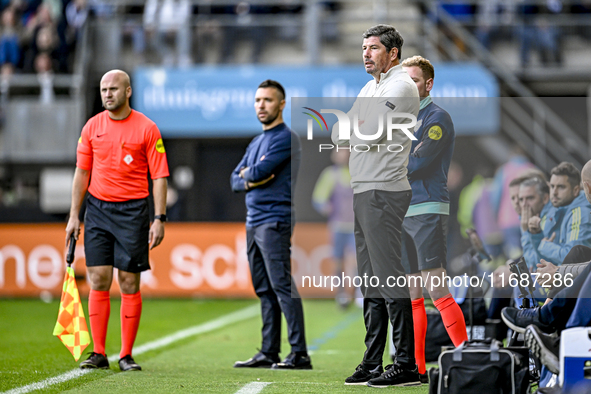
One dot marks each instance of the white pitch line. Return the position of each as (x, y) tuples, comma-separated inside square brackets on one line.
[(212, 325), (253, 388), (209, 326), (73, 374)]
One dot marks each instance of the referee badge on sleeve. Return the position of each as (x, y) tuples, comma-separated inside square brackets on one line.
[(160, 146)]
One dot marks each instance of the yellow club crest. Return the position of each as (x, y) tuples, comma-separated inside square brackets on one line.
[(435, 133)]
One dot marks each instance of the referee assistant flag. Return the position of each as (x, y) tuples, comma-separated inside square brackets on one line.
[(71, 326)]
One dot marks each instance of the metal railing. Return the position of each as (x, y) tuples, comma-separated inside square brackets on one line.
[(308, 17)]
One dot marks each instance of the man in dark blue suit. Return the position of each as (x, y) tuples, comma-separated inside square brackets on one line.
[(267, 173)]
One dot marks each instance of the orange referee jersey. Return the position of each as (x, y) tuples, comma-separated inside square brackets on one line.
[(119, 154)]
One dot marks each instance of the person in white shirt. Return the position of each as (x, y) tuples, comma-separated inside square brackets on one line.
[(382, 195)]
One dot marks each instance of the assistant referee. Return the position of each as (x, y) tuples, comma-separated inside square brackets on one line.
[(115, 151)]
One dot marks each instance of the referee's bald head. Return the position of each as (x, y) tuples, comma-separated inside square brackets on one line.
[(119, 74)]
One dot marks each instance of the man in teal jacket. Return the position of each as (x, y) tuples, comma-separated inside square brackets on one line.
[(565, 187)]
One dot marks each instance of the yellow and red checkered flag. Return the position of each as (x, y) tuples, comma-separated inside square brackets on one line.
[(71, 326)]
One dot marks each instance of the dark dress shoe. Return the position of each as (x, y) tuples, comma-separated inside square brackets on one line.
[(259, 360), (127, 363), (294, 361)]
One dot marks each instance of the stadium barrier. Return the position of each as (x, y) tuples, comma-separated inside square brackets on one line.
[(194, 260)]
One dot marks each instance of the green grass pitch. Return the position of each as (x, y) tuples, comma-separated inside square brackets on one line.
[(201, 363)]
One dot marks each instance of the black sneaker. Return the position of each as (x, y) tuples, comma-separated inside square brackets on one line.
[(424, 377), (94, 361), (128, 364), (363, 375), (519, 319), (294, 361), (396, 375), (544, 347), (259, 360)]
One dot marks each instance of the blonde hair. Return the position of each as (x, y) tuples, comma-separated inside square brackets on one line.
[(422, 63)]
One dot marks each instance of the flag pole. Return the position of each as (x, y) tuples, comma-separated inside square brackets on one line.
[(71, 250)]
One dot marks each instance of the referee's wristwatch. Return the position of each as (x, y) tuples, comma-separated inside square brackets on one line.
[(162, 218)]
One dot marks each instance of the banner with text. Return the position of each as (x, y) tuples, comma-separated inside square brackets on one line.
[(194, 260), (219, 101)]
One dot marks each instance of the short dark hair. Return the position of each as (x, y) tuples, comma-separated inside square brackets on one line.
[(269, 83), (389, 37), (568, 169), (537, 182)]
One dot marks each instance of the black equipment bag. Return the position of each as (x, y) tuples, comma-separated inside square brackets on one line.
[(481, 367)]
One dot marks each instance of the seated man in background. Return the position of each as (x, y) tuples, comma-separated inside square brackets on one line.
[(540, 218), (542, 193), (578, 254), (575, 229)]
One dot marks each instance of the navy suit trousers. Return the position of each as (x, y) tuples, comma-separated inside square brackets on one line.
[(268, 248)]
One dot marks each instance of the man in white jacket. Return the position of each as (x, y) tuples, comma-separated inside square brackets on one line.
[(381, 126)]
